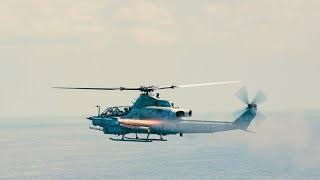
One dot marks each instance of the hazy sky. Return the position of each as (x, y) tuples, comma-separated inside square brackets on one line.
[(271, 45)]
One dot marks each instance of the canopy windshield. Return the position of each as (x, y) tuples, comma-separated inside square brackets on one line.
[(116, 111)]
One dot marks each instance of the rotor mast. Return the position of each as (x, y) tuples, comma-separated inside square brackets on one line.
[(146, 90)]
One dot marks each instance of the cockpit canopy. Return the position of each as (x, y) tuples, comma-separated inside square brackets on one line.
[(116, 111)]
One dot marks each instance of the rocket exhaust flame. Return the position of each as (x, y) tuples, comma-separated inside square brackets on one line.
[(136, 122)]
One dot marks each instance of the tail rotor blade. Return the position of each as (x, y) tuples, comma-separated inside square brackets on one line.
[(242, 94), (260, 118), (259, 98)]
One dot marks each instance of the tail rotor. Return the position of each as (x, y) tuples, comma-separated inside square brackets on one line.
[(260, 98)]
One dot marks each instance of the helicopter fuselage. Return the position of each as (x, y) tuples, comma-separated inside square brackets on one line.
[(150, 115)]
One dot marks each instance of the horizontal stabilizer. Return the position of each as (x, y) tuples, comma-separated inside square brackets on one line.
[(248, 131)]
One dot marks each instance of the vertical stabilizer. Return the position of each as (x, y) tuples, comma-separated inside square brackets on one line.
[(245, 119), (250, 113)]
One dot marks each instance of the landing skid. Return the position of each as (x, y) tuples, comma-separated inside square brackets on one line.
[(143, 139), (137, 139), (131, 140)]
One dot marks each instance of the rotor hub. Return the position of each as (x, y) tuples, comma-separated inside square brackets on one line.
[(252, 106)]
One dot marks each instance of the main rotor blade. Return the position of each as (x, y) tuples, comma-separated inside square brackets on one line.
[(149, 88), (259, 98), (104, 89), (87, 88), (197, 85), (242, 94), (131, 89)]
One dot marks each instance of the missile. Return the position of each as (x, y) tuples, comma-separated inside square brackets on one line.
[(136, 128)]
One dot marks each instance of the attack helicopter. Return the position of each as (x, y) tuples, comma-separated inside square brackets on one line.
[(150, 114)]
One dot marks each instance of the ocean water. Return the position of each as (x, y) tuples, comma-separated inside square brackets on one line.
[(285, 146)]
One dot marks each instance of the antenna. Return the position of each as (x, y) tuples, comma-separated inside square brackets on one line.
[(98, 109)]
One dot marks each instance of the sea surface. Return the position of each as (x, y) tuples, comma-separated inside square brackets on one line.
[(284, 146)]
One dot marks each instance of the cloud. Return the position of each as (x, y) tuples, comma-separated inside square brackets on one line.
[(145, 35), (262, 24), (146, 12), (150, 22), (290, 132), (213, 9), (52, 19), (285, 138)]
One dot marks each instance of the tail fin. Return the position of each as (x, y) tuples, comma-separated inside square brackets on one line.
[(245, 119)]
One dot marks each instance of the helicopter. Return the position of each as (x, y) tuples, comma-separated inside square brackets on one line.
[(150, 114)]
